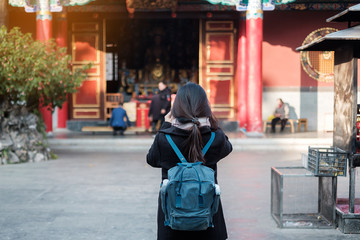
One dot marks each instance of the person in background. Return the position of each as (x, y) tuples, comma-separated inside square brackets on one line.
[(155, 111), (165, 99), (117, 120), (281, 114)]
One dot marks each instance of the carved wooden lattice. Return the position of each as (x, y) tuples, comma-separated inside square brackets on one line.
[(152, 4)]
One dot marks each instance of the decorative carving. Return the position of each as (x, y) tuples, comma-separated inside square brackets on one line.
[(314, 6), (50, 5), (152, 4), (74, 2)]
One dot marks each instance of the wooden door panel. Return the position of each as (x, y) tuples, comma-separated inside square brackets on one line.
[(219, 69), (219, 26), (217, 49), (85, 48), (86, 113), (88, 94), (85, 27), (87, 103), (220, 90)]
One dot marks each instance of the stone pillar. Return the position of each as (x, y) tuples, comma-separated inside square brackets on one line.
[(61, 41), (3, 12), (254, 38), (242, 79), (44, 33)]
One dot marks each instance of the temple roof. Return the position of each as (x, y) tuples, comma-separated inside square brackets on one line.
[(200, 6), (345, 38), (351, 14)]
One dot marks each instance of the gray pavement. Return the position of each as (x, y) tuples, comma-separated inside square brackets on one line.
[(113, 195)]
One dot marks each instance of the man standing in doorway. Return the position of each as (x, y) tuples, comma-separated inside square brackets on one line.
[(165, 99), (154, 111)]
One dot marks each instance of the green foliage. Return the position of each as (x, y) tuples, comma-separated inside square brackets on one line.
[(5, 153), (40, 124), (53, 156), (33, 72)]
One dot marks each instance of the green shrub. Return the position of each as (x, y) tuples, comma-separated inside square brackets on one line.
[(33, 72)]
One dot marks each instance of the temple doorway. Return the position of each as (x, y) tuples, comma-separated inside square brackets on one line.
[(140, 53)]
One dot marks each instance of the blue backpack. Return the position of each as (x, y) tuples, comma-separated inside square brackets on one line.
[(190, 197)]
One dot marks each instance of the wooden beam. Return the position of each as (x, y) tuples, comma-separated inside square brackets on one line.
[(3, 12)]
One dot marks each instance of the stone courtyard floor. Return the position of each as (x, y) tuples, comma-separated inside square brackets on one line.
[(113, 195)]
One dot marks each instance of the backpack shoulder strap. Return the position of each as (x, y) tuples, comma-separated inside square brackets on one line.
[(179, 154), (208, 144), (176, 149)]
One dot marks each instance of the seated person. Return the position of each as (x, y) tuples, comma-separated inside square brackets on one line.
[(117, 119), (281, 114)]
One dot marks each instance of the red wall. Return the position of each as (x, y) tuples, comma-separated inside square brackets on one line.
[(284, 31)]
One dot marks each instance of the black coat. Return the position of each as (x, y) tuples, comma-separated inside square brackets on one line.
[(155, 107), (165, 97), (163, 156)]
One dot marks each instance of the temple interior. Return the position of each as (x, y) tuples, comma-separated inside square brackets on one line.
[(142, 52)]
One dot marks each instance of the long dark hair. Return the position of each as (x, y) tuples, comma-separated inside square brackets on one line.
[(190, 104)]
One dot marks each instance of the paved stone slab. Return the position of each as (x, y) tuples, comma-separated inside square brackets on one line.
[(97, 195)]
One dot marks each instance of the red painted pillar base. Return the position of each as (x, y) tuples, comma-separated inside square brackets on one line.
[(47, 117), (254, 37), (242, 80), (61, 41), (62, 115), (44, 33)]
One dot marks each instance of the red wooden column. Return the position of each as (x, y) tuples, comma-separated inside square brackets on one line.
[(254, 38), (61, 41), (242, 80), (44, 33)]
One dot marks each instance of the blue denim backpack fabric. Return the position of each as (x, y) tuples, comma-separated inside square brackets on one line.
[(190, 197)]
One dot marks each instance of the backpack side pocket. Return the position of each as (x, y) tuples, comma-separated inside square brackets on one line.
[(215, 205), (163, 195)]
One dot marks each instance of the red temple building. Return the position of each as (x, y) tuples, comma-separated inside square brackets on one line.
[(244, 60)]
